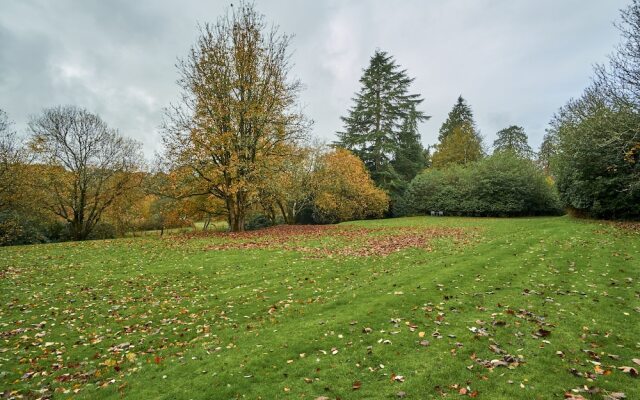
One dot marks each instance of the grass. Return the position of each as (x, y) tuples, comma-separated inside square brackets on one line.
[(553, 302)]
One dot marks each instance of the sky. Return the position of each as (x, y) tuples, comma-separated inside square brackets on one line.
[(516, 62)]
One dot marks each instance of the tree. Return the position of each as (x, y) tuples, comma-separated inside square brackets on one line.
[(595, 138), (620, 80), (344, 190), (460, 114), (410, 157), (291, 190), (12, 160), (382, 126), (513, 139), (84, 165), (548, 149), (461, 146), (238, 117), (597, 173)]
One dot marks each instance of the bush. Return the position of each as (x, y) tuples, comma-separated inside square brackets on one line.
[(17, 228), (597, 167), (257, 221), (345, 191), (500, 185), (103, 230)]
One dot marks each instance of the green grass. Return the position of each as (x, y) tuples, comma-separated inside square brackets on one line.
[(167, 318)]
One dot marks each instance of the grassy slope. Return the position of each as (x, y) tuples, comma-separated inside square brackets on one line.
[(200, 325)]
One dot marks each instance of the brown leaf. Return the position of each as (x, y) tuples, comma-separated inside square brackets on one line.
[(356, 385), (542, 333), (496, 349), (629, 370)]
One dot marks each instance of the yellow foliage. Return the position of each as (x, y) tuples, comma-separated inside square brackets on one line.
[(345, 191)]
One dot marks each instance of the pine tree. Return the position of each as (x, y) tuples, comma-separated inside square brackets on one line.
[(381, 127), (462, 146), (459, 115), (513, 139)]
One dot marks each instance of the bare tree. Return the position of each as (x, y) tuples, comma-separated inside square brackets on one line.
[(85, 165), (237, 116), (12, 158)]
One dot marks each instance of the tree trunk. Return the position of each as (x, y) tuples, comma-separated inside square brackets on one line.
[(236, 212)]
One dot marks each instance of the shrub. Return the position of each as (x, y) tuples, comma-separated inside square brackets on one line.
[(500, 185), (597, 168), (257, 221), (103, 230), (345, 191), (17, 228)]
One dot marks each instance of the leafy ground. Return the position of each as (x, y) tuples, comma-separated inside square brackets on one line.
[(417, 308)]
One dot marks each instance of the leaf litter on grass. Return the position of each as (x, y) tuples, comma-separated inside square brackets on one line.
[(330, 240)]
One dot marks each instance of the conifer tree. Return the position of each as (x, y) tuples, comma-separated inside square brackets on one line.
[(382, 126), (409, 157), (459, 115), (462, 146)]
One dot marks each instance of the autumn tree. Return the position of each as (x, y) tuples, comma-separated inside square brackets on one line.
[(382, 126), (12, 159), (345, 190), (513, 139), (548, 149), (292, 188), (238, 116), (84, 165), (461, 146)]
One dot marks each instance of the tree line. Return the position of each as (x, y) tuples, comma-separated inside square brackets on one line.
[(237, 146)]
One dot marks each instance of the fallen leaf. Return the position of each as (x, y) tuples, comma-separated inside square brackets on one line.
[(629, 370)]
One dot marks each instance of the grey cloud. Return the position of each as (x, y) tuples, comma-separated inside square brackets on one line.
[(515, 62)]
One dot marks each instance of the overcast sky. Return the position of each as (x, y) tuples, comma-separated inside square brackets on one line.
[(515, 62)]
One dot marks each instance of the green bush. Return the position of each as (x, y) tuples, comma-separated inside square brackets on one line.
[(597, 166), (501, 185), (17, 228), (257, 221), (103, 230)]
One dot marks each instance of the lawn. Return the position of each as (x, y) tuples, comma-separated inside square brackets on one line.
[(415, 307)]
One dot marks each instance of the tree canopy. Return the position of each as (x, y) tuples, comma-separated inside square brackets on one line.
[(84, 165), (513, 139), (382, 126), (239, 112), (461, 146), (461, 114)]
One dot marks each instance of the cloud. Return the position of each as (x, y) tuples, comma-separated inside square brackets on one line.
[(515, 62)]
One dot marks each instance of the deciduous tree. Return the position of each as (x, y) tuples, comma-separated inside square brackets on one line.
[(513, 139), (12, 160), (345, 190), (85, 165), (238, 116)]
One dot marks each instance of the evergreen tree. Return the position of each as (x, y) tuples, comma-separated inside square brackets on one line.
[(409, 157), (381, 127), (513, 139), (462, 146), (459, 115)]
